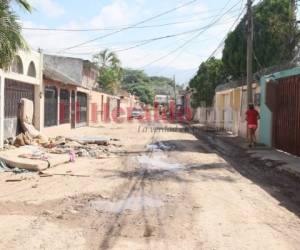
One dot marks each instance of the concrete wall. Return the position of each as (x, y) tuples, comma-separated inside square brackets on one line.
[(266, 114), (96, 99), (80, 71), (230, 108), (72, 67), (90, 75)]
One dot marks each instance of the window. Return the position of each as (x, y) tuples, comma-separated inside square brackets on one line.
[(64, 106), (31, 70), (17, 65)]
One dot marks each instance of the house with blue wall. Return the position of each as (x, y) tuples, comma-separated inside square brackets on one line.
[(280, 127)]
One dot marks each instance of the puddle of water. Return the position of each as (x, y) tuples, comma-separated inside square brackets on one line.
[(132, 203), (159, 146), (156, 162)]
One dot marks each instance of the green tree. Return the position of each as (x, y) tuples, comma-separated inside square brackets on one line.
[(275, 38), (144, 92), (110, 71), (11, 39), (210, 74), (139, 83)]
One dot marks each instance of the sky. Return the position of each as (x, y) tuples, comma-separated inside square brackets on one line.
[(204, 24)]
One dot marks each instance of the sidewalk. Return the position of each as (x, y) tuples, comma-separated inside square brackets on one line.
[(285, 162), (270, 157)]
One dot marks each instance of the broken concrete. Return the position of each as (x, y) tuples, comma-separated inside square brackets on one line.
[(99, 140), (16, 159)]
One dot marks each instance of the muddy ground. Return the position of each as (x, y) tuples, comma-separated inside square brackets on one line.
[(184, 191)]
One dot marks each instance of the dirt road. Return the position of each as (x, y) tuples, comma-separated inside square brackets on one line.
[(170, 190)]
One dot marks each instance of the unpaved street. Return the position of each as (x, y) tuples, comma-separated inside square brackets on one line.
[(165, 190)]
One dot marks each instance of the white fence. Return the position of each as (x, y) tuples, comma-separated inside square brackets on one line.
[(225, 119)]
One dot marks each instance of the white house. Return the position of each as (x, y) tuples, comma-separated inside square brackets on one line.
[(22, 80)]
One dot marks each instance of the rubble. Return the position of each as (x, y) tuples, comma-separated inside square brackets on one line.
[(98, 140), (34, 151), (38, 155)]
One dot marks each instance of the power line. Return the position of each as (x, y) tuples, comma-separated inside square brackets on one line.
[(129, 27), (223, 40), (163, 37), (192, 38), (120, 27), (141, 43)]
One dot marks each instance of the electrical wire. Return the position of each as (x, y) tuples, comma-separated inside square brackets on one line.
[(120, 27), (141, 43), (129, 27), (220, 45), (193, 37)]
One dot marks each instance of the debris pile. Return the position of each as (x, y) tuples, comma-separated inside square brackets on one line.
[(57, 151), (34, 151), (83, 147)]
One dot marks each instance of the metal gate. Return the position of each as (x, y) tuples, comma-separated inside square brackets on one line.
[(50, 118), (81, 116), (286, 115), (14, 91)]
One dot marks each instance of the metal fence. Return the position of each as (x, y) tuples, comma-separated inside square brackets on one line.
[(286, 115)]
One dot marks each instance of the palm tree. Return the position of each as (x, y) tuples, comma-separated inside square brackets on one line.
[(107, 59), (110, 70), (11, 39)]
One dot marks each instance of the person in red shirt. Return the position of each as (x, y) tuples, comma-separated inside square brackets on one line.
[(252, 117)]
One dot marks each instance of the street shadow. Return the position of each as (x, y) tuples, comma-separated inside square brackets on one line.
[(194, 171), (281, 185), (114, 230)]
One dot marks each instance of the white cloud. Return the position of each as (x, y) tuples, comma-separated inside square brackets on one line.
[(54, 41), (49, 7), (117, 13)]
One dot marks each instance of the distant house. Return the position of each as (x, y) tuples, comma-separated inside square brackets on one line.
[(22, 80), (231, 106), (161, 100), (68, 83)]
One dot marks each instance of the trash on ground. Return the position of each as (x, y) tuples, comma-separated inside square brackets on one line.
[(34, 151), (43, 174), (99, 140), (32, 158), (14, 180), (3, 167)]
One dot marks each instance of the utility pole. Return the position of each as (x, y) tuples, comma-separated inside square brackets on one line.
[(249, 51), (175, 95), (293, 6)]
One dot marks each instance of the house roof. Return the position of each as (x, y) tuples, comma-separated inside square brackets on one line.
[(56, 75)]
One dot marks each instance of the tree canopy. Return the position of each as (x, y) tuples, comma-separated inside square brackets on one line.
[(209, 75), (275, 39), (139, 83), (110, 71), (11, 39)]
